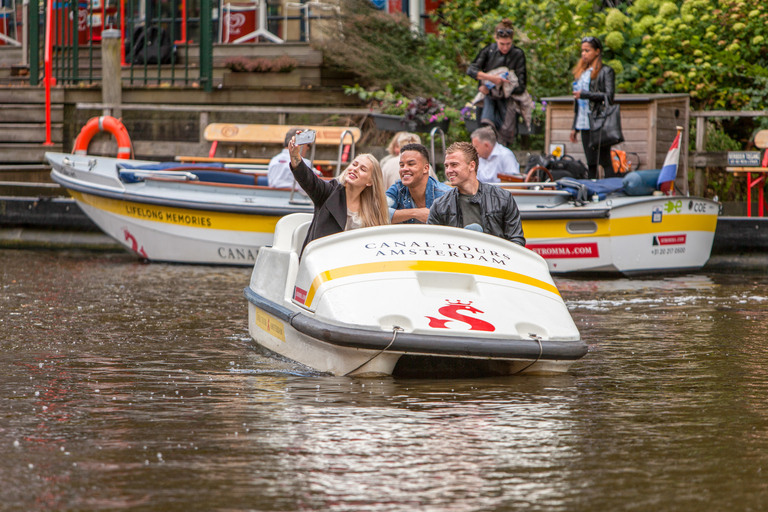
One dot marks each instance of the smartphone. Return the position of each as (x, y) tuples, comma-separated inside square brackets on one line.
[(307, 137)]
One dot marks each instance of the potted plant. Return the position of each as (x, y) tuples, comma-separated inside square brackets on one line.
[(262, 72), (423, 114)]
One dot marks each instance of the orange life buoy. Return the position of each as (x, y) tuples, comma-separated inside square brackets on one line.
[(101, 124)]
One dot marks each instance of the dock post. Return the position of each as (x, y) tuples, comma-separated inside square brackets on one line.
[(699, 177), (111, 80)]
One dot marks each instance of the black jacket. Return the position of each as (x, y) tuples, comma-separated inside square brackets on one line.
[(330, 199), (500, 214), (604, 86), (491, 58)]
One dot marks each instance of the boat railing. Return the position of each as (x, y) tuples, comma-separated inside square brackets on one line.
[(341, 150), (432, 134)]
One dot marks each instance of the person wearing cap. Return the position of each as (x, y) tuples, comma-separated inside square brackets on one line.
[(594, 82), (500, 54)]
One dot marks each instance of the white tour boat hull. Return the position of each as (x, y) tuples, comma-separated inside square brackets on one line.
[(175, 221)]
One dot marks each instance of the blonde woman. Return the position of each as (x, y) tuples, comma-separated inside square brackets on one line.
[(356, 199), (393, 150)]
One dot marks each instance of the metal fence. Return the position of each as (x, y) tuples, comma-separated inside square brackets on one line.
[(169, 42)]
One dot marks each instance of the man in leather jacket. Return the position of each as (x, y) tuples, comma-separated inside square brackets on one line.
[(502, 53), (472, 204)]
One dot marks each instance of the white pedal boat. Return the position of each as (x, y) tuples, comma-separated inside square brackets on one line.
[(363, 301), (210, 216)]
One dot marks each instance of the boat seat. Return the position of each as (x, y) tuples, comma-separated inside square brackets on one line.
[(285, 228), (226, 177), (298, 237)]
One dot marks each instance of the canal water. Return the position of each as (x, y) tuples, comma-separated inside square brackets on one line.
[(133, 386)]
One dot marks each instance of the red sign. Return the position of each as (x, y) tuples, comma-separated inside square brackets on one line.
[(671, 240), (552, 251), (299, 295)]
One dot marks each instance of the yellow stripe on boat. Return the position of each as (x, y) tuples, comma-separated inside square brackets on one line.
[(424, 266), (180, 216), (537, 229)]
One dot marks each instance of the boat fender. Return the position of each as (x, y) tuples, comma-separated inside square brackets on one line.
[(104, 124)]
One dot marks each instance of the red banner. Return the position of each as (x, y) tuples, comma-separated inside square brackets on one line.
[(671, 240), (552, 251)]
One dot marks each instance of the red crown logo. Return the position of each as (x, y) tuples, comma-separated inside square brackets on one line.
[(458, 303)]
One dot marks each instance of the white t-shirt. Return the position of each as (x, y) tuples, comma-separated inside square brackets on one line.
[(502, 160), (279, 173), (353, 220)]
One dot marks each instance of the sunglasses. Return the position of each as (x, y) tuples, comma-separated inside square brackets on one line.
[(595, 42), (504, 32)]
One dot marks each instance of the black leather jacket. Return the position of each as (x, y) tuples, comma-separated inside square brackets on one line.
[(491, 58), (500, 214), (604, 86)]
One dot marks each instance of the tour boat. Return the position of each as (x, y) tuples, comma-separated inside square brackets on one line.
[(366, 301), (615, 232), (183, 213), (190, 213)]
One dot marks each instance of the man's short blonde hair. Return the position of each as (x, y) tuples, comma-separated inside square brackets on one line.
[(469, 151)]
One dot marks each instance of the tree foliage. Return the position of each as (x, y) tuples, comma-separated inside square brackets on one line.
[(380, 49), (715, 50)]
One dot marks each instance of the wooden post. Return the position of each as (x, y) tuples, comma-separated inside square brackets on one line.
[(111, 80), (699, 181)]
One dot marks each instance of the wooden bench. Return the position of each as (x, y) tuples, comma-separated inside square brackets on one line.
[(759, 178), (266, 134)]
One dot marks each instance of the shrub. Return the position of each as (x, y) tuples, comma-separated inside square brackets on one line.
[(282, 64)]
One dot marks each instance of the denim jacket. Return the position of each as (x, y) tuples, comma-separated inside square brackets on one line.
[(399, 197)]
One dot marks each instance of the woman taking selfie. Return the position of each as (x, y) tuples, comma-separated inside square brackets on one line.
[(594, 82), (355, 199)]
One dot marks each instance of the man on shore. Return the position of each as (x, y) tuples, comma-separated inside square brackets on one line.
[(473, 204), (494, 158), (279, 173), (412, 195)]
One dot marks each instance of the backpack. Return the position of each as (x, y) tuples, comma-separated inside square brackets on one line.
[(153, 41), (567, 167), (564, 167)]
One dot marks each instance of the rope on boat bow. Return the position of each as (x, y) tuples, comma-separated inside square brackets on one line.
[(395, 330), (537, 338)]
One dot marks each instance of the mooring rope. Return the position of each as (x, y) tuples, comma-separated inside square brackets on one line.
[(395, 330)]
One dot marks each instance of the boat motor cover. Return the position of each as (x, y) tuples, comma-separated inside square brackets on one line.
[(583, 190)]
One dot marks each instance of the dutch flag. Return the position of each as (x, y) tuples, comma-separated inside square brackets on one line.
[(666, 181)]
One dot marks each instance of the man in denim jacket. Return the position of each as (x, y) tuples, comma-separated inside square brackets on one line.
[(412, 195)]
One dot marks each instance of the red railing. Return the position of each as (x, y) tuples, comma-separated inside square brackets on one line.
[(49, 80)]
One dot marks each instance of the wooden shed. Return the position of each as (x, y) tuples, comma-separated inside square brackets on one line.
[(648, 122)]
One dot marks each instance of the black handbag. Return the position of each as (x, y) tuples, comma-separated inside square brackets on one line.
[(605, 126)]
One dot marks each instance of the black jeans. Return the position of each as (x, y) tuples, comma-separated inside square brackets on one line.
[(604, 158)]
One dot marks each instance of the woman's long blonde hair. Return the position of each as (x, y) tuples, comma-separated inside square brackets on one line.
[(580, 67), (373, 200)]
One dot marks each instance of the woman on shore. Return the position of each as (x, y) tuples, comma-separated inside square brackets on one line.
[(356, 199), (594, 82)]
